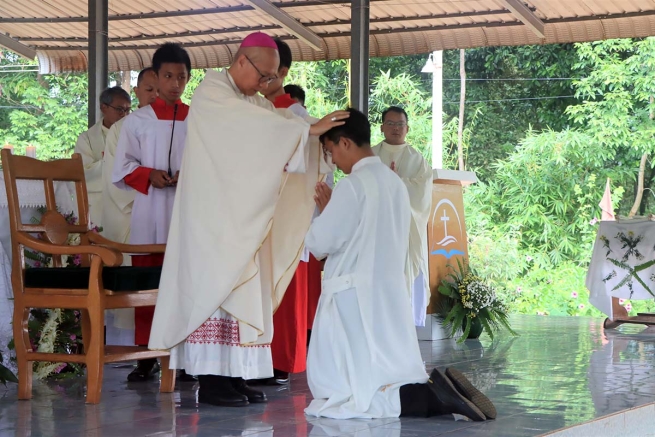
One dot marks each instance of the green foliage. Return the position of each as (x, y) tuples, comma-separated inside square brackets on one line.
[(547, 192), (495, 76), (51, 114)]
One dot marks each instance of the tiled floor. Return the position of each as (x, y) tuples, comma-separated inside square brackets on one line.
[(559, 372)]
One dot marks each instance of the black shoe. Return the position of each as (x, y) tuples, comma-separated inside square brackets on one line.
[(254, 396), (145, 370), (464, 386), (450, 401), (218, 390), (182, 376), (280, 377)]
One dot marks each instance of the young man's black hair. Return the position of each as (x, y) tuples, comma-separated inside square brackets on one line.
[(395, 109), (296, 92), (171, 53), (356, 128)]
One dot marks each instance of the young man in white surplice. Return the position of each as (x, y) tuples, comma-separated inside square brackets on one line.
[(364, 360)]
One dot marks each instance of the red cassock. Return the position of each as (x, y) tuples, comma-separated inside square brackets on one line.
[(295, 315), (139, 179)]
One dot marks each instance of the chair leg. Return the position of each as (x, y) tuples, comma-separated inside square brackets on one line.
[(95, 351), (167, 384), (23, 345), (86, 329)]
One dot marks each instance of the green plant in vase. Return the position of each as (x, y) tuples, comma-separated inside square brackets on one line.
[(471, 305)]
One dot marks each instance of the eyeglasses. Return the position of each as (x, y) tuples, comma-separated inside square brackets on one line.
[(395, 123), (264, 79), (326, 153), (120, 109)]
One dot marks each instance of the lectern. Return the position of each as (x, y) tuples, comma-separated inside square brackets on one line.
[(447, 241)]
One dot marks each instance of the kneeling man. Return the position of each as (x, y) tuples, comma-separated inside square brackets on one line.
[(364, 360)]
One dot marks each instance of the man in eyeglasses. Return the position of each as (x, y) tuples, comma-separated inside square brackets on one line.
[(238, 226), (114, 105), (416, 174), (148, 160)]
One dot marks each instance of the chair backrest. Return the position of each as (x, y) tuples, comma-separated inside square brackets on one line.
[(53, 226)]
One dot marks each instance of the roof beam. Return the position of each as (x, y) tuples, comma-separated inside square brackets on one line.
[(165, 14), (527, 17), (17, 47), (289, 23), (336, 22)]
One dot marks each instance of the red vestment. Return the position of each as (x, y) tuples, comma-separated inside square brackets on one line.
[(139, 179), (295, 315)]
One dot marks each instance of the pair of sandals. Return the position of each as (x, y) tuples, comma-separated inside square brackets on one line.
[(147, 370)]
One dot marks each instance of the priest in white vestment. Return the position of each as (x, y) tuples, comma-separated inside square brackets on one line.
[(238, 225), (117, 208), (364, 361), (114, 105), (416, 174)]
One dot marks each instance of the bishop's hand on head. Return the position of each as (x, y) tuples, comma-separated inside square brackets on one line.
[(159, 178), (328, 122), (322, 196)]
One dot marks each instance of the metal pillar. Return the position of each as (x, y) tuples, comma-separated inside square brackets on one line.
[(98, 55), (360, 14)]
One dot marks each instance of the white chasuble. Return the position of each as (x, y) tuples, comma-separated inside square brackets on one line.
[(91, 145), (364, 345), (238, 226), (117, 203), (416, 174), (116, 216)]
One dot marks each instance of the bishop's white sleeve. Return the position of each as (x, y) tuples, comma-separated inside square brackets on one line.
[(128, 155), (334, 228)]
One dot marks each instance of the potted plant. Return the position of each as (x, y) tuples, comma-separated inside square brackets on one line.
[(471, 305)]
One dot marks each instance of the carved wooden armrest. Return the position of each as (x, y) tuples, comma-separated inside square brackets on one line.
[(99, 240), (110, 257)]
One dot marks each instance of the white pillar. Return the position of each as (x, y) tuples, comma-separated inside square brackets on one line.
[(437, 109)]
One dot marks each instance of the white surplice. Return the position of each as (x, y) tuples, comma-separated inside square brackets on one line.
[(91, 145), (364, 345), (416, 174), (237, 231), (145, 141), (117, 203)]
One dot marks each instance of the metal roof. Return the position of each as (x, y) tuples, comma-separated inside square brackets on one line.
[(211, 30)]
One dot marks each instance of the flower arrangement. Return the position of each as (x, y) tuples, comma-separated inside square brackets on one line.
[(6, 375), (56, 330), (471, 303)]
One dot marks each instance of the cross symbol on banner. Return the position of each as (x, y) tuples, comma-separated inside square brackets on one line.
[(445, 220)]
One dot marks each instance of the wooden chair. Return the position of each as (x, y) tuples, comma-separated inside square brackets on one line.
[(100, 284)]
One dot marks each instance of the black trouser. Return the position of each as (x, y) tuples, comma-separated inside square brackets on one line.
[(417, 400)]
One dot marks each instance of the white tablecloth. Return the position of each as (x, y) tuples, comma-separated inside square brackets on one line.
[(31, 196), (619, 263)]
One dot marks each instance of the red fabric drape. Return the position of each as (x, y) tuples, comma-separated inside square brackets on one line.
[(143, 315)]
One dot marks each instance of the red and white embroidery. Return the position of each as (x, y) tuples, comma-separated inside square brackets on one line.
[(216, 331)]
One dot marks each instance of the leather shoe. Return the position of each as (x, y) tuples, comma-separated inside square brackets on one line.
[(145, 370), (449, 400), (254, 396), (218, 390), (464, 386)]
